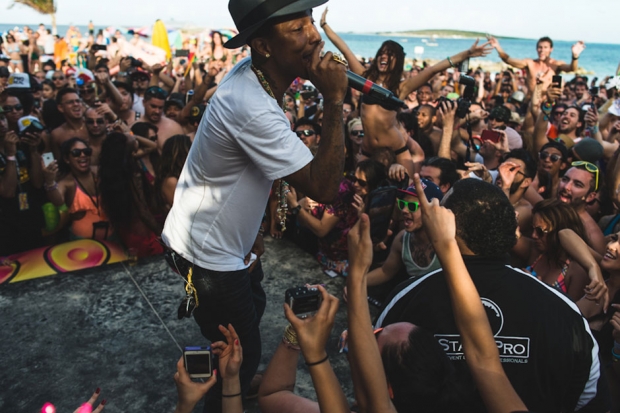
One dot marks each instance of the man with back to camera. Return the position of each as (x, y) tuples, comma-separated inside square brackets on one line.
[(546, 348), (545, 66), (244, 143)]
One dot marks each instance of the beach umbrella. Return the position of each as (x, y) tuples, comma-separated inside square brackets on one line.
[(160, 38)]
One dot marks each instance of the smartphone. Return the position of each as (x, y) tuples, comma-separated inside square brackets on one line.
[(48, 158), (181, 53), (304, 301), (557, 80), (490, 135), (198, 362), (594, 91), (379, 208), (99, 47)]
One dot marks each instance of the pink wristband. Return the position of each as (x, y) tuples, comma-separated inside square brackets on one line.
[(11, 158)]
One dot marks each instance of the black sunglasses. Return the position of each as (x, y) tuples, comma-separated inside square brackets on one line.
[(553, 156), (540, 232), (58, 78), (155, 92), (361, 182), (99, 121), (86, 91), (77, 152), (359, 133), (9, 108), (305, 133)]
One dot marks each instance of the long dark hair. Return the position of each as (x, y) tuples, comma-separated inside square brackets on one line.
[(375, 172), (421, 375), (397, 53), (558, 215), (117, 169), (173, 156)]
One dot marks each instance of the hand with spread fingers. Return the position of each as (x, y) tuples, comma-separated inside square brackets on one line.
[(230, 353)]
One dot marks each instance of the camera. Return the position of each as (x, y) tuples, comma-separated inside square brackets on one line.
[(135, 62), (303, 301), (309, 92), (464, 102), (198, 362)]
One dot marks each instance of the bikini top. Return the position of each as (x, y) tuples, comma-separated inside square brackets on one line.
[(370, 100)]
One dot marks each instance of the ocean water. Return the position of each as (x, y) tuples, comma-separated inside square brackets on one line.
[(599, 59)]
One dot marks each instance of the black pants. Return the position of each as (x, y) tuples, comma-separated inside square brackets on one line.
[(238, 298)]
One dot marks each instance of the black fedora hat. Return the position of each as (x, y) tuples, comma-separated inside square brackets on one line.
[(250, 15)]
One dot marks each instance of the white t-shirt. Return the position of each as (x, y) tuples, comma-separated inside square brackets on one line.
[(244, 142)]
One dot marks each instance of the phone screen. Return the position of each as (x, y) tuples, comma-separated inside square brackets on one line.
[(557, 80), (198, 363), (489, 135)]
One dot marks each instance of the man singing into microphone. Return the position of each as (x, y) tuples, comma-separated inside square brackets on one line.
[(244, 142)]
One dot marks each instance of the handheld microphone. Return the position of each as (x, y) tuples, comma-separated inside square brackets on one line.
[(386, 97)]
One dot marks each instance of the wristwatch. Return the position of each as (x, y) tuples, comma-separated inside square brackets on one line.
[(296, 210)]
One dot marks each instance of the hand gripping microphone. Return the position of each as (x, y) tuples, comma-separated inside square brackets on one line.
[(384, 96)]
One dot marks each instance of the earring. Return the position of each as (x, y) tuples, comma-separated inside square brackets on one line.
[(267, 55)]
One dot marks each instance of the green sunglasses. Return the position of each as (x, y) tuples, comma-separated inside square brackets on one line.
[(590, 167), (411, 206)]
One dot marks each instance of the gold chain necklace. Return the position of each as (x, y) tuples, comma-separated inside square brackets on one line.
[(282, 185), (263, 81)]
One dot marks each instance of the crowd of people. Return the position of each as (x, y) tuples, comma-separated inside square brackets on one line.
[(510, 177)]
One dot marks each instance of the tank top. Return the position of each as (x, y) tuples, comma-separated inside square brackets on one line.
[(414, 270)]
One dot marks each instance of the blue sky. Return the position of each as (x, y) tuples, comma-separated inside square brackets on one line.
[(525, 18)]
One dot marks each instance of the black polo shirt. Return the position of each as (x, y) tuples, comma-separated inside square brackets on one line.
[(545, 345)]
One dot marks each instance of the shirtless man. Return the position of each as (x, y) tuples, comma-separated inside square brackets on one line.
[(154, 99), (578, 187), (516, 174), (427, 117), (545, 66), (72, 108)]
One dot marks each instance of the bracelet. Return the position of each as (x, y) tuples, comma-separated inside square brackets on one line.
[(450, 61), (11, 158), (615, 356), (290, 338), (323, 24), (323, 361), (51, 187), (231, 395), (575, 58)]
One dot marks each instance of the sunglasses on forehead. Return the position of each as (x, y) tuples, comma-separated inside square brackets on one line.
[(156, 92), (590, 167), (305, 133)]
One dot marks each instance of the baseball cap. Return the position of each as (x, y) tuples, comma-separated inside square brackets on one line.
[(27, 121), (196, 113), (589, 150), (431, 190), (173, 102), (19, 81)]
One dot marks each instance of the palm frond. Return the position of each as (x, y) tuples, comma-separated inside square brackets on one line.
[(42, 6)]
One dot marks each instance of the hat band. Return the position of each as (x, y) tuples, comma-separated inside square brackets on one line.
[(262, 12)]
